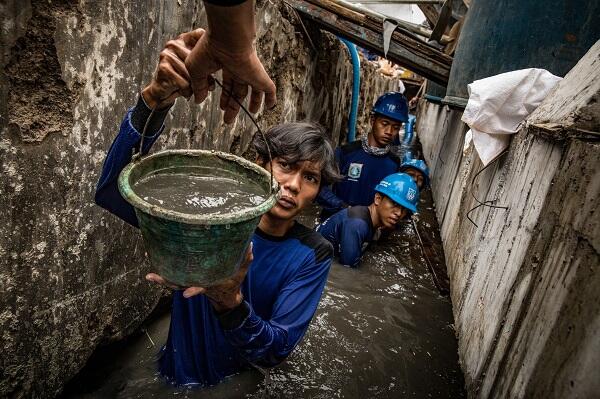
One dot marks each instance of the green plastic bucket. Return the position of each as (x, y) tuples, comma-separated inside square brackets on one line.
[(196, 250)]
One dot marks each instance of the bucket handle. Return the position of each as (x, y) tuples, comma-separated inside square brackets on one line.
[(137, 156)]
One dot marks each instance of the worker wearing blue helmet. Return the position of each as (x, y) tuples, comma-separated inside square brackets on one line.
[(418, 170), (352, 229), (365, 162)]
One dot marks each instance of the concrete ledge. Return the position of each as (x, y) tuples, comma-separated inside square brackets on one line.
[(524, 280)]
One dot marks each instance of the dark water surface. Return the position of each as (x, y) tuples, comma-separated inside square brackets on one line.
[(381, 331), (192, 193)]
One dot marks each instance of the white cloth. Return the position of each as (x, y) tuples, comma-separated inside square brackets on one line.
[(401, 87), (499, 104)]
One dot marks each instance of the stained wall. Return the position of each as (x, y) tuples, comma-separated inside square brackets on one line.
[(71, 274)]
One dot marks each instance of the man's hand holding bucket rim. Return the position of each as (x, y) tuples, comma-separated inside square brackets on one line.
[(224, 296)]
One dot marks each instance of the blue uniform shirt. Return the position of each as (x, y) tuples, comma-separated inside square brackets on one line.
[(281, 292), (349, 231), (361, 172)]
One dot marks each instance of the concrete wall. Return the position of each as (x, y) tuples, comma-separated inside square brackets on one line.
[(524, 280), (71, 275)]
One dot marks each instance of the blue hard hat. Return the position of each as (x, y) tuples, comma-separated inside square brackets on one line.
[(392, 105), (418, 164), (400, 188)]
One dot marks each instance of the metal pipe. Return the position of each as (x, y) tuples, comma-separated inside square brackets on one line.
[(409, 128)]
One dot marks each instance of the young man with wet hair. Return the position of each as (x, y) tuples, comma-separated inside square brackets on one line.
[(261, 313), (363, 163), (352, 229)]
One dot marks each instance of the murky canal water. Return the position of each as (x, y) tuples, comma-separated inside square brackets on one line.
[(381, 331)]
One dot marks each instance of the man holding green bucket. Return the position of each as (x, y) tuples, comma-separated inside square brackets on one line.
[(260, 314)]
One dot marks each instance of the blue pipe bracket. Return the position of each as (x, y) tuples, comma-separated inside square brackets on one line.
[(355, 89)]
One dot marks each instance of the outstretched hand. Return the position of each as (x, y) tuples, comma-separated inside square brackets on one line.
[(224, 296), (242, 71)]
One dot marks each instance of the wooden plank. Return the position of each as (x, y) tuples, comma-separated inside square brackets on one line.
[(414, 28), (442, 22), (431, 13), (375, 23), (404, 49)]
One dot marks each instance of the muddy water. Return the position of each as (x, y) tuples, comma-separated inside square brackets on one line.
[(381, 331), (192, 193)]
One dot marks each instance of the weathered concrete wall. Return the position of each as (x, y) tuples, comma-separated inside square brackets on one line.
[(71, 275), (524, 280)]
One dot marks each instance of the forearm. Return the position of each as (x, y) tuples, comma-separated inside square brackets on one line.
[(354, 234), (231, 27), (269, 342), (351, 258), (119, 155), (257, 340)]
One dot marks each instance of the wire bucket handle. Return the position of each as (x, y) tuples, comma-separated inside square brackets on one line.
[(137, 156)]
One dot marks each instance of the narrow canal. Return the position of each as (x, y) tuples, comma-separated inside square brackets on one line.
[(381, 331)]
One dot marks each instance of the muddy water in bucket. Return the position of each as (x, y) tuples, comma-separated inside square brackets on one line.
[(192, 193)]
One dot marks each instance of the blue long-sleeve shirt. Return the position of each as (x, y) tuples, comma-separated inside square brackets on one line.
[(361, 172), (349, 231), (281, 292)]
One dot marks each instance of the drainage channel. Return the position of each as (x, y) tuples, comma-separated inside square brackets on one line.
[(381, 331)]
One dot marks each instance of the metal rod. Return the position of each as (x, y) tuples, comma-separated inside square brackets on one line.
[(434, 276)]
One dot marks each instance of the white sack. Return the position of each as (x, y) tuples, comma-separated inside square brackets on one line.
[(499, 104)]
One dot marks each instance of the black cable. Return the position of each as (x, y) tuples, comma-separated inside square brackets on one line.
[(253, 121), (484, 203)]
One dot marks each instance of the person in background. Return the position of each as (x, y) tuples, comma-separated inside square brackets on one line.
[(363, 163), (260, 314), (418, 170), (228, 45), (352, 229)]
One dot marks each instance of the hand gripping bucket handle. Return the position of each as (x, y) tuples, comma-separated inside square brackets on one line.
[(138, 155)]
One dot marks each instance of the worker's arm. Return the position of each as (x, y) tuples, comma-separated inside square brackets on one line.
[(354, 235), (119, 155), (229, 45), (170, 81), (328, 200), (269, 342)]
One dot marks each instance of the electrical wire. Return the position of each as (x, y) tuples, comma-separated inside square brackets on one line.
[(488, 203)]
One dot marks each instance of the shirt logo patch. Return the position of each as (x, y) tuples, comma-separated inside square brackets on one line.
[(355, 170), (410, 194)]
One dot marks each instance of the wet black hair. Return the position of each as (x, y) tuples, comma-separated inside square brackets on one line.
[(298, 142)]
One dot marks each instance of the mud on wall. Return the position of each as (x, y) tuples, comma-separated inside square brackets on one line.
[(524, 279), (71, 275)]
